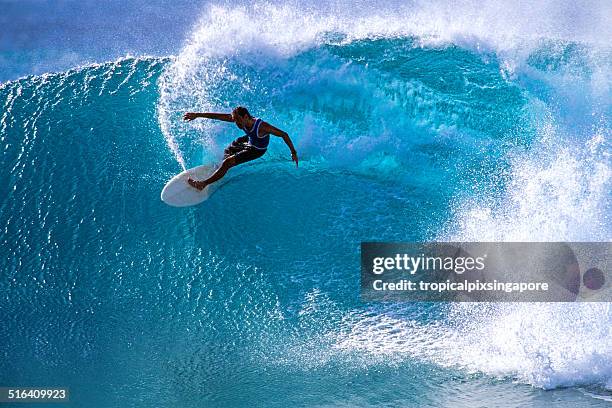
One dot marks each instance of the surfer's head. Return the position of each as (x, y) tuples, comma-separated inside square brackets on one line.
[(242, 117)]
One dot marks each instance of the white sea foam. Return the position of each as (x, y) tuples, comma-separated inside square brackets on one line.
[(548, 346)]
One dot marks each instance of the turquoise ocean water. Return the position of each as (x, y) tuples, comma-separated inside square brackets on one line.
[(423, 122)]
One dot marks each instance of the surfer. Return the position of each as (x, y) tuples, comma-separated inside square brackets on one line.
[(245, 148)]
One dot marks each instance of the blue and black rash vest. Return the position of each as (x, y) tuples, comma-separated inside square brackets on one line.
[(255, 140)]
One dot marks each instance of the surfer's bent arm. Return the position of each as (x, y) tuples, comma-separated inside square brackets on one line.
[(268, 128), (226, 117)]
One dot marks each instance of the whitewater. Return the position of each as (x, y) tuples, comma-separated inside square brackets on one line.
[(448, 121)]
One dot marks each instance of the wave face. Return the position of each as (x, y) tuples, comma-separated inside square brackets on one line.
[(417, 122)]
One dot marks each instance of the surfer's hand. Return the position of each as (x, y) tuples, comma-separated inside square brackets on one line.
[(196, 184), (189, 116), (294, 157)]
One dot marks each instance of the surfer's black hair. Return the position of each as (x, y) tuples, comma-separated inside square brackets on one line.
[(242, 111)]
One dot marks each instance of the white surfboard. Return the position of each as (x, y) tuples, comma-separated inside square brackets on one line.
[(178, 193)]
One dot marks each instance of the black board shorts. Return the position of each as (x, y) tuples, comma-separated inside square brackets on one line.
[(242, 151)]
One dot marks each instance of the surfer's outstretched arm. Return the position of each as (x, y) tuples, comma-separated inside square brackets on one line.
[(268, 128), (226, 117)]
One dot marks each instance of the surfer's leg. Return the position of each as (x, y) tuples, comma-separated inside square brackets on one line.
[(248, 154), (243, 156), (220, 172), (236, 146)]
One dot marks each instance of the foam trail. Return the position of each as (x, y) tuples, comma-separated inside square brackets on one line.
[(164, 120)]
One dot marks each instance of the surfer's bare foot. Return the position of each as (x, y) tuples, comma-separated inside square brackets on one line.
[(196, 184)]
